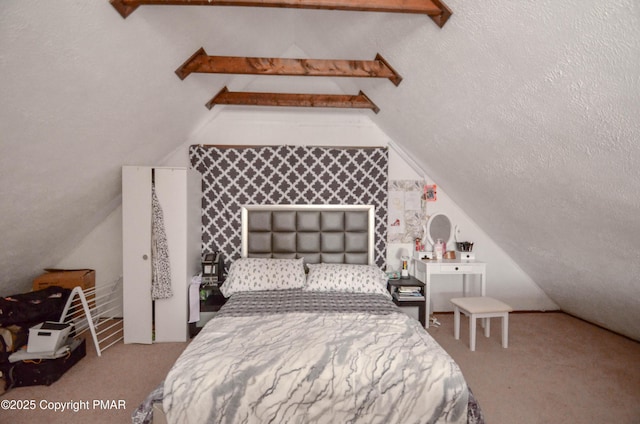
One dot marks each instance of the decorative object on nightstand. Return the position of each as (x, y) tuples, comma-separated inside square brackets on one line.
[(393, 275), (404, 267), (409, 292)]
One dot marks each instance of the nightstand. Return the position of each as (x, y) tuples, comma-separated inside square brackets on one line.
[(409, 292), (211, 303)]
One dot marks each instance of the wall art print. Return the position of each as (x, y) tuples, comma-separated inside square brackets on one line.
[(236, 176), (406, 210)]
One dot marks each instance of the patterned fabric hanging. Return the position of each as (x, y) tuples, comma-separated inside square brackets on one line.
[(161, 268), (236, 176)]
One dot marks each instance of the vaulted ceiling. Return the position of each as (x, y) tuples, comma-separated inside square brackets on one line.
[(526, 113)]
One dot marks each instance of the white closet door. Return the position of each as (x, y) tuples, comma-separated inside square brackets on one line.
[(136, 260), (194, 224), (171, 314)]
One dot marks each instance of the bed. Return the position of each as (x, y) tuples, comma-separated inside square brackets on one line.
[(309, 334)]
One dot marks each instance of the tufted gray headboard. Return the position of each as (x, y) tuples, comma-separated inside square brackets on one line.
[(319, 233)]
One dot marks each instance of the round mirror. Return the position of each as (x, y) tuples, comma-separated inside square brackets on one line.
[(439, 227)]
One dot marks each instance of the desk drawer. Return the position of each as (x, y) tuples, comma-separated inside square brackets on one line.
[(462, 269)]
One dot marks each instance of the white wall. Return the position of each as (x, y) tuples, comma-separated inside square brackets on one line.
[(505, 279), (102, 249)]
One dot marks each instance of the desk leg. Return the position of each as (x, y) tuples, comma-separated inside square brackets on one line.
[(483, 283), (483, 292)]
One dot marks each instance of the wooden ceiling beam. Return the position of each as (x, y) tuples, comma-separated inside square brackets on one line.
[(226, 97), (435, 9), (200, 62), (445, 13)]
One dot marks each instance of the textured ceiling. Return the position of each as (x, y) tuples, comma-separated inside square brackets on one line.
[(525, 112)]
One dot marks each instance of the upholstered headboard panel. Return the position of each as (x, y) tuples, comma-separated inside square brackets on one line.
[(319, 233)]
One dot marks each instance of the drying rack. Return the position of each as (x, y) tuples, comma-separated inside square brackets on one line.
[(98, 310)]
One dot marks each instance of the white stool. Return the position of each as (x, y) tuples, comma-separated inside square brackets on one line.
[(480, 307)]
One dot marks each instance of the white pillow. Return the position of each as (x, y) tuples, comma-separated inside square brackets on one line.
[(252, 274), (347, 278)]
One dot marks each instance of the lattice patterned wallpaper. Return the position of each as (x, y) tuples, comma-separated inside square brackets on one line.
[(237, 176)]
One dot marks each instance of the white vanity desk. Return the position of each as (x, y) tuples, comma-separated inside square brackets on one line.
[(425, 269)]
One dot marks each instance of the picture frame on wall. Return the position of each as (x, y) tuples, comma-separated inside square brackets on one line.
[(430, 193)]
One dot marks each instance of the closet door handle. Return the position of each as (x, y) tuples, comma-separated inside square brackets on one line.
[(145, 257)]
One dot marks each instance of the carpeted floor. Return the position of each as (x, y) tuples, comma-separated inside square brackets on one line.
[(557, 369), (123, 373)]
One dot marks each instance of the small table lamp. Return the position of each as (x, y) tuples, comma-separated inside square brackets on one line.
[(404, 256)]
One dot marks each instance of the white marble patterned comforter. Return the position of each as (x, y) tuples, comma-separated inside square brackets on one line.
[(315, 368)]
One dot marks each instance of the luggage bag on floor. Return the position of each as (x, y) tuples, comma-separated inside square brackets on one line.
[(45, 371), (33, 307)]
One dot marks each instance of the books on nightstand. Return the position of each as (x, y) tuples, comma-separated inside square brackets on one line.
[(408, 293)]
